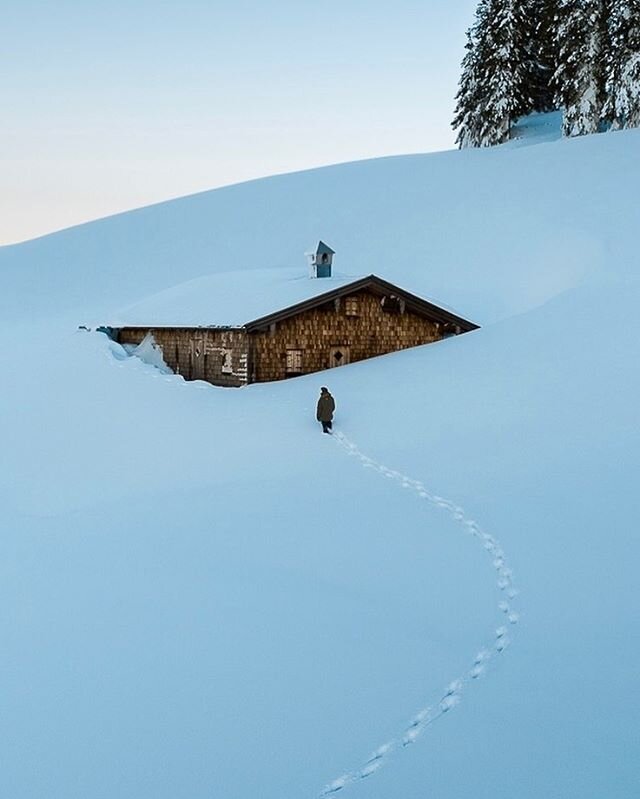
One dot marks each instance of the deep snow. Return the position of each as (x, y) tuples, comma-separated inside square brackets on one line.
[(203, 596)]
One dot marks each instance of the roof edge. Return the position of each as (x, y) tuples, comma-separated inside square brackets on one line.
[(124, 326)]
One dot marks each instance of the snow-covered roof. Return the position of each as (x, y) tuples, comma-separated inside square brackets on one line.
[(227, 299), (256, 297), (324, 249)]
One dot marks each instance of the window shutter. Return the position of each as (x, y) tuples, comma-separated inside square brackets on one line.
[(294, 361)]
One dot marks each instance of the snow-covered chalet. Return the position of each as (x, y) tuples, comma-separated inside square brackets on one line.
[(237, 328)]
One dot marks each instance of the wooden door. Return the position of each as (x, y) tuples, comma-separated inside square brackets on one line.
[(198, 359), (338, 356)]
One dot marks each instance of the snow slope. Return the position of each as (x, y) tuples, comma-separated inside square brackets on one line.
[(203, 596)]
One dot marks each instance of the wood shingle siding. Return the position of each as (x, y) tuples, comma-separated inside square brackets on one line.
[(318, 332)]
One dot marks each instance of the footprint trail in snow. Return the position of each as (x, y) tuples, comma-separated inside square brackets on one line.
[(452, 694)]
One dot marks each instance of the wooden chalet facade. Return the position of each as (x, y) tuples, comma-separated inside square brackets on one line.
[(352, 322)]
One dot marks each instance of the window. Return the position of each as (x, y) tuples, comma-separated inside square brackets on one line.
[(351, 306), (227, 365), (391, 304), (294, 362)]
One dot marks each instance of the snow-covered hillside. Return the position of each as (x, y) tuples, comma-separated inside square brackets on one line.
[(202, 596)]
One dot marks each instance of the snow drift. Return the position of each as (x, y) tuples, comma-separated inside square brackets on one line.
[(203, 596)]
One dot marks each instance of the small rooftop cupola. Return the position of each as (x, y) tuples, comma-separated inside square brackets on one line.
[(320, 261)]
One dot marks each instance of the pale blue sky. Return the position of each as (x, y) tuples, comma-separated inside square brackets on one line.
[(109, 106)]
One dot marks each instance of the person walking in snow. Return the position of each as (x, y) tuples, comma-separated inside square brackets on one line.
[(326, 407)]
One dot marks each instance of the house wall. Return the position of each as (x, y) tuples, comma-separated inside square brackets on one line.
[(216, 355), (320, 331)]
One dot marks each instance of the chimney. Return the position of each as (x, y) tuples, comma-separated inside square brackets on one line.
[(320, 261)]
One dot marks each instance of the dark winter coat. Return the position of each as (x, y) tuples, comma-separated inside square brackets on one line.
[(326, 407)]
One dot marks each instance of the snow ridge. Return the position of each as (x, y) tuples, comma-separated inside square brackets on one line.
[(452, 695)]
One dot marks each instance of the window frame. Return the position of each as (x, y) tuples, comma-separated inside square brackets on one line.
[(352, 306)]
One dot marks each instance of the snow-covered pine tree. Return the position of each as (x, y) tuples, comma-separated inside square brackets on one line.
[(543, 53), (581, 35), (466, 118), (622, 108), (495, 87), (507, 67)]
